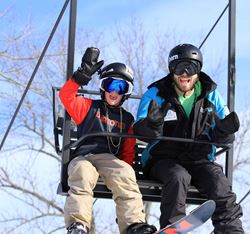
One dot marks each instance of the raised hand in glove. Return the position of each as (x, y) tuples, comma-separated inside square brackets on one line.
[(88, 67), (225, 128), (152, 125), (156, 114)]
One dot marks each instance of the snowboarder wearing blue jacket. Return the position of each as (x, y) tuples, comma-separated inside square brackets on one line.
[(186, 104)]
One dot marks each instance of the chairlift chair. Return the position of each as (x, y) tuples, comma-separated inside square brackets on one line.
[(151, 190)]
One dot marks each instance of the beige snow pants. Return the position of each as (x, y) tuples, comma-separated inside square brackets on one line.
[(118, 176)]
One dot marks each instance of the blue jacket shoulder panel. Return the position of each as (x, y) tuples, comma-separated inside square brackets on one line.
[(219, 105), (148, 96)]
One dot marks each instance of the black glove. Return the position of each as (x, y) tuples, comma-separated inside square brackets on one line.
[(141, 228), (156, 114), (225, 128), (229, 125), (152, 125), (88, 67)]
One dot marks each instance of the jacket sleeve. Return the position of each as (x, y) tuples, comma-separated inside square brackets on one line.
[(76, 106), (141, 126), (127, 152)]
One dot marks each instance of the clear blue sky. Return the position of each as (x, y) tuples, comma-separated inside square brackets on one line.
[(192, 19)]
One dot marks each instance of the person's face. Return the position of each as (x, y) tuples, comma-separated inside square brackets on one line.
[(184, 83), (185, 75), (113, 98)]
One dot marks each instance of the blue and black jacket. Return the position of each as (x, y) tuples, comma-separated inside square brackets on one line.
[(176, 123)]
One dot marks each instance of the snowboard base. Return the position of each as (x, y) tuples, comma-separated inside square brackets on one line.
[(193, 220)]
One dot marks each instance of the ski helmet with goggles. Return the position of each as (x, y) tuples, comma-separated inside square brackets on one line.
[(116, 77), (185, 58)]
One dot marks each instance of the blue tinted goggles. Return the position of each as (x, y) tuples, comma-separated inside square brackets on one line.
[(111, 84)]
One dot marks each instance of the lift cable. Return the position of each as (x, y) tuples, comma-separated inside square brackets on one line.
[(244, 197), (214, 25), (34, 72)]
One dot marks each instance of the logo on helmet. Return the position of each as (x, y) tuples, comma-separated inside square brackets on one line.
[(129, 71), (172, 58)]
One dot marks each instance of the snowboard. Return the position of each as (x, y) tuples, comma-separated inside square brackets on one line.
[(193, 220)]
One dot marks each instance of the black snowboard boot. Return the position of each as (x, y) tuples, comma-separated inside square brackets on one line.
[(141, 228), (77, 228)]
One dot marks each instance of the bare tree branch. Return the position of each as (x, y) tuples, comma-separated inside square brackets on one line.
[(6, 182)]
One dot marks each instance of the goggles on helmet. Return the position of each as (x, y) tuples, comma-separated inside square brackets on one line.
[(189, 67), (121, 86)]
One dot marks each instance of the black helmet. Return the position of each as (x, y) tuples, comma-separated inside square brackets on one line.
[(119, 71), (184, 52)]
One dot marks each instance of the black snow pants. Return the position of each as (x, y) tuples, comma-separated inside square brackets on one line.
[(209, 179)]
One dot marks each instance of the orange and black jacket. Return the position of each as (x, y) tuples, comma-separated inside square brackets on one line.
[(91, 116)]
